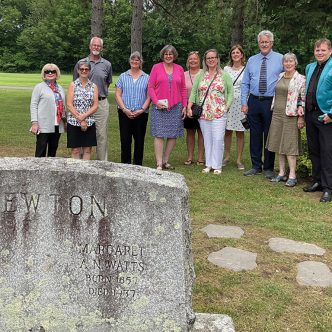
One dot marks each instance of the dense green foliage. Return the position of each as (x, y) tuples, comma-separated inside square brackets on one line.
[(34, 32)]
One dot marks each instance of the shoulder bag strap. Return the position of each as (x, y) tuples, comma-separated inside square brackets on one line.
[(239, 75), (207, 91)]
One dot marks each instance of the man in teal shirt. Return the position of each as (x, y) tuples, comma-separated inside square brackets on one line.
[(318, 118)]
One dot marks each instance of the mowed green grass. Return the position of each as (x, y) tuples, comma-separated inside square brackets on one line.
[(265, 299)]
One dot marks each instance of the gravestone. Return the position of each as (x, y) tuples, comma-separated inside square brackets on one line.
[(93, 246)]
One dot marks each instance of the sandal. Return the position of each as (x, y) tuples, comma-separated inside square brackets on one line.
[(240, 166), (189, 162), (291, 182), (279, 178), (225, 162), (200, 163), (159, 169), (168, 166)]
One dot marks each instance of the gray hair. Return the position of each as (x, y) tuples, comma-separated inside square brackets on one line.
[(290, 56), (136, 55), (84, 62), (168, 48), (205, 68), (266, 33), (95, 37)]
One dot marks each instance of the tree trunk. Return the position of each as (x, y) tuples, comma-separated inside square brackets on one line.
[(97, 15), (238, 18), (136, 26)]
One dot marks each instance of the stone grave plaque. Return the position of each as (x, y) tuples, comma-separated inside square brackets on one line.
[(94, 247)]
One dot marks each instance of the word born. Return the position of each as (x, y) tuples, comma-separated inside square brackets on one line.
[(16, 201)]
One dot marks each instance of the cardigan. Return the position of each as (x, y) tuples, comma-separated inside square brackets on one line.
[(194, 96), (324, 86), (158, 85), (43, 107), (295, 95)]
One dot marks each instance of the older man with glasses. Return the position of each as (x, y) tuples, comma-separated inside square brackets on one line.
[(101, 75), (257, 91)]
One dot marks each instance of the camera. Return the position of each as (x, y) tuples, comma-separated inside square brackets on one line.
[(245, 123)]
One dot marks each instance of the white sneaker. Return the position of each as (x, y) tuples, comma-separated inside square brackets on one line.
[(217, 171), (206, 170)]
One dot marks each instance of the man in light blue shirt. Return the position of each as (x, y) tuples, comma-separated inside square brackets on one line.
[(257, 91)]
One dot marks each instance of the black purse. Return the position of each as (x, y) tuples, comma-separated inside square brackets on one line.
[(196, 109)]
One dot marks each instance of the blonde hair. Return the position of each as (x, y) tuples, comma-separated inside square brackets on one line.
[(213, 50), (50, 66), (193, 53)]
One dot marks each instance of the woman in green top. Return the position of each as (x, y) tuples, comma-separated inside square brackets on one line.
[(218, 88)]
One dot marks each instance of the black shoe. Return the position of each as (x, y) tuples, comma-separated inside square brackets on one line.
[(315, 186), (326, 197), (269, 174), (252, 171)]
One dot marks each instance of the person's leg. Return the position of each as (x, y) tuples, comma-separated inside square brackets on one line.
[(218, 134), (158, 150), (282, 165), (314, 144), (76, 153), (170, 143), (125, 137), (207, 136), (240, 146), (41, 145), (53, 142), (228, 143), (256, 132), (139, 130), (269, 156), (87, 153), (200, 146), (325, 139), (190, 143), (292, 166), (101, 117)]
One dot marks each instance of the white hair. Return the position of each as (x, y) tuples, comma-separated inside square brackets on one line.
[(95, 37), (266, 33)]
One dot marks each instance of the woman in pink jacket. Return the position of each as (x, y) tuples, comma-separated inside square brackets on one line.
[(167, 91)]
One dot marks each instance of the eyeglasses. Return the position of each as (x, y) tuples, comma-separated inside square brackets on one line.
[(212, 58), (49, 72), (82, 70), (168, 54)]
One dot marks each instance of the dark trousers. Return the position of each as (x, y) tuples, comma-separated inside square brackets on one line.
[(132, 128), (319, 137), (260, 116), (47, 142)]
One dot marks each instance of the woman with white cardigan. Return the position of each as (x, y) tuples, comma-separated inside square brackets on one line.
[(47, 111)]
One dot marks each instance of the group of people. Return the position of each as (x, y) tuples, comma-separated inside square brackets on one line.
[(266, 91)]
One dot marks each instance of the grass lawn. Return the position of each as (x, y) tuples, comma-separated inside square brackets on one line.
[(265, 299)]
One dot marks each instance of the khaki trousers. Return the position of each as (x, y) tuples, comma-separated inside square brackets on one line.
[(101, 117)]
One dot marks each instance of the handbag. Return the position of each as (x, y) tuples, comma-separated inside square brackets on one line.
[(198, 109)]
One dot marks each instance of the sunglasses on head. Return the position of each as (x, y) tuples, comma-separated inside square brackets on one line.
[(49, 72), (84, 69)]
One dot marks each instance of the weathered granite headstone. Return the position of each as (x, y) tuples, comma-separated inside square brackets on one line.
[(93, 247)]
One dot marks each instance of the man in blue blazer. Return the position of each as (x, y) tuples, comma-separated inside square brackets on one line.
[(318, 118)]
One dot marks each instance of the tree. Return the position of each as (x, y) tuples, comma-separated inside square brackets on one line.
[(97, 16), (137, 26), (237, 19)]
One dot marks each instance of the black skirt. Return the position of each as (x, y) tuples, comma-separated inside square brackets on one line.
[(191, 123), (76, 138)]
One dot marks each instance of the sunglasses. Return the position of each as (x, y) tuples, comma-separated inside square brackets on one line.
[(84, 69), (49, 72), (193, 52)]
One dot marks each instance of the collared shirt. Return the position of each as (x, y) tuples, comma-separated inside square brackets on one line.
[(250, 81), (311, 100), (134, 92), (100, 74)]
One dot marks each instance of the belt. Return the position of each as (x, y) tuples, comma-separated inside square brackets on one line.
[(101, 98), (261, 98)]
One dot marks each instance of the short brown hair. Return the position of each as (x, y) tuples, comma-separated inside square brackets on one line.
[(321, 41), (168, 48)]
